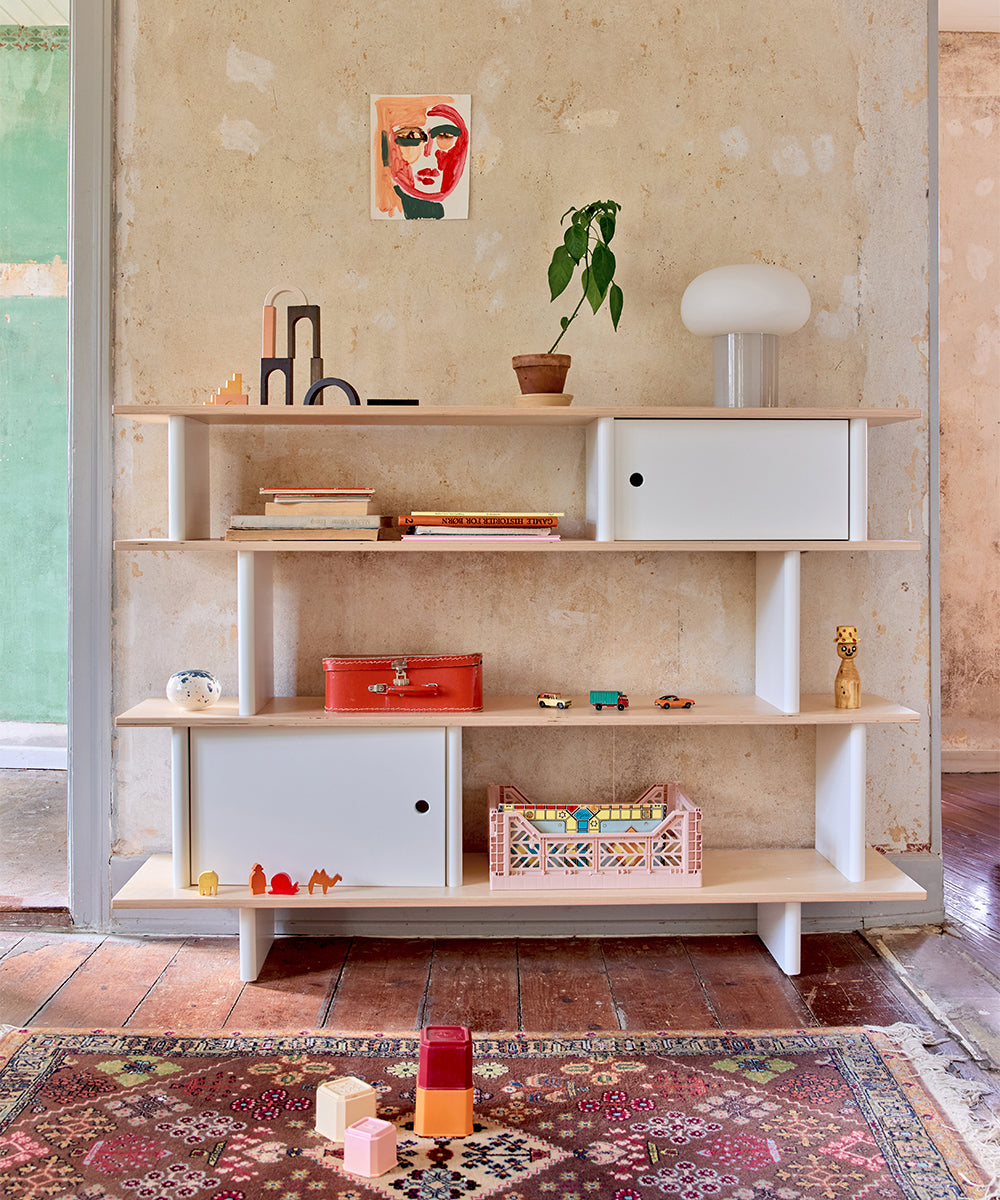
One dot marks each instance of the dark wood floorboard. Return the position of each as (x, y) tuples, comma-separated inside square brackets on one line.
[(747, 989), (474, 982), (970, 845), (382, 986), (564, 985), (655, 985)]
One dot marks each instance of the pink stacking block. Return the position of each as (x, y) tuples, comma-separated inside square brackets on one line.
[(445, 1057), (370, 1147)]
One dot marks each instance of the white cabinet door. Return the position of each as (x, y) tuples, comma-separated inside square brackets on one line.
[(749, 480), (368, 804)]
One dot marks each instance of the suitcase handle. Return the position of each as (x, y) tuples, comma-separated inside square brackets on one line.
[(408, 689), (401, 685)]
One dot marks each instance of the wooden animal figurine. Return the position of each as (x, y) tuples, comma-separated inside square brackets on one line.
[(321, 879), (847, 685), (208, 884), (258, 880), (281, 885)]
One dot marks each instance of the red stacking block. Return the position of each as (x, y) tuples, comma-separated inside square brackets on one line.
[(445, 1057)]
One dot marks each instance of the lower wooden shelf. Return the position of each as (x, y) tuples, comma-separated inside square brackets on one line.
[(729, 877)]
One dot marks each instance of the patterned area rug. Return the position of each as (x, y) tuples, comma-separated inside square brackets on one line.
[(808, 1115)]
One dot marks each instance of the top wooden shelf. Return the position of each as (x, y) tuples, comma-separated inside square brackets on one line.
[(570, 416)]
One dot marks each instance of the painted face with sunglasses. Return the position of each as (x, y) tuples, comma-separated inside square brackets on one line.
[(426, 159)]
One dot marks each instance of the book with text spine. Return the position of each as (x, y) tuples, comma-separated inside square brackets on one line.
[(303, 521), (541, 537), (327, 493), (324, 534), (454, 531), (316, 508), (480, 520)]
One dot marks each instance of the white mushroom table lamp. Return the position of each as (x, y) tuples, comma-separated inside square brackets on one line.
[(745, 308)]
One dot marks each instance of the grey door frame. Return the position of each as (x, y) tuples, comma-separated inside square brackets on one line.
[(90, 464)]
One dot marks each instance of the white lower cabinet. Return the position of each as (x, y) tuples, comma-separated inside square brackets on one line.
[(367, 804)]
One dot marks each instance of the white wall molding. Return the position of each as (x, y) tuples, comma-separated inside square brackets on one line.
[(962, 762)]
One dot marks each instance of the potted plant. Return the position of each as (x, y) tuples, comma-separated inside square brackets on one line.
[(585, 245)]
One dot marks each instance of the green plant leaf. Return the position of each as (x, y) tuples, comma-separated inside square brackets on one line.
[(595, 297), (607, 226), (615, 302), (602, 263), (575, 242), (560, 271)]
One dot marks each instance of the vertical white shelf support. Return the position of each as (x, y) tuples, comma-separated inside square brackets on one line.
[(256, 939), (180, 805), (857, 479), (777, 649), (453, 791), (779, 927), (255, 628), (841, 783), (600, 475), (187, 479)]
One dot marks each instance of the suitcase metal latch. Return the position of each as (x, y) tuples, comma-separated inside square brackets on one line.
[(401, 685)]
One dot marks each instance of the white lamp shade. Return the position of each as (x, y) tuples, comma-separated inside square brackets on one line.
[(749, 298)]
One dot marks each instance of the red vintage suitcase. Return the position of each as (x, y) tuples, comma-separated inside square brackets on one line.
[(404, 683)]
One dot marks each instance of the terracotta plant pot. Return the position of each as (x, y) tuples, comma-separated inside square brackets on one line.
[(541, 372)]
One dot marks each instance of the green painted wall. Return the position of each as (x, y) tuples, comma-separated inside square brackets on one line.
[(34, 125)]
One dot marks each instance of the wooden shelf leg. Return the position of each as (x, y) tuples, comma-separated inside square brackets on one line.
[(841, 783), (187, 479), (453, 792), (256, 939), (779, 927), (600, 480), (255, 629), (180, 805), (777, 647)]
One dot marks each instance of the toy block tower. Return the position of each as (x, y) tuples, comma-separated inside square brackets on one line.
[(444, 1082)]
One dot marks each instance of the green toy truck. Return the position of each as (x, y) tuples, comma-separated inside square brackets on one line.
[(612, 699)]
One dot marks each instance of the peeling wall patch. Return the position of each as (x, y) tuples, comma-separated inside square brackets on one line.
[(242, 67)]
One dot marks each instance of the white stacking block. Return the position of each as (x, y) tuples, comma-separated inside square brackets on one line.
[(340, 1102)]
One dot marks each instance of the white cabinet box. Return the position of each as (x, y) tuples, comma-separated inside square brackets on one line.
[(730, 480), (368, 804)]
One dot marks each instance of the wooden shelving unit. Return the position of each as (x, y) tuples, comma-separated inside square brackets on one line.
[(839, 868)]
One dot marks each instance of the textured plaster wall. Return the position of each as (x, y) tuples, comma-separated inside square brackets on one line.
[(969, 86), (794, 135)]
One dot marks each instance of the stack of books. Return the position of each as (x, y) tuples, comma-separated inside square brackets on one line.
[(480, 526), (310, 514)]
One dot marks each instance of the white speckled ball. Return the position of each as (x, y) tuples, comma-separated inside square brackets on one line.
[(193, 689)]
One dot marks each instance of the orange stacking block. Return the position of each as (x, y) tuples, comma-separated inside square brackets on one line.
[(443, 1112)]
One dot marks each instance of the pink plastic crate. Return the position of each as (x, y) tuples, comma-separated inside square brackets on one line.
[(653, 842)]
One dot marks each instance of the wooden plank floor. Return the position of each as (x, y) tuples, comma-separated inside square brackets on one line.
[(539, 985)]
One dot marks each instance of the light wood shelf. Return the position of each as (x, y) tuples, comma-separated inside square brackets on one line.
[(507, 711), (427, 414), (728, 877), (456, 545)]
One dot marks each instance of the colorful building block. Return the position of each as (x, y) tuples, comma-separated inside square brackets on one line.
[(443, 1112), (341, 1102), (370, 1147), (231, 392), (445, 1057)]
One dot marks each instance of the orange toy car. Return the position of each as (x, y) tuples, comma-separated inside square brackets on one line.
[(673, 702)]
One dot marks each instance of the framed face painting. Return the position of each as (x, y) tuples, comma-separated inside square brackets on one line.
[(420, 157)]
